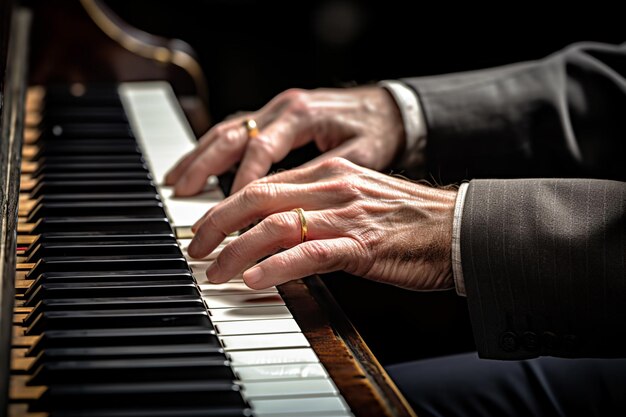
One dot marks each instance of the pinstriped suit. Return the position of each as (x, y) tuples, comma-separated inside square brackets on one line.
[(543, 259)]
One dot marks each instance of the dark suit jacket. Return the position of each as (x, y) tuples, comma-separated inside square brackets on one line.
[(544, 258)]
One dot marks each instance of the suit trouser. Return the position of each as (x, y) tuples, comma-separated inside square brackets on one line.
[(464, 385)]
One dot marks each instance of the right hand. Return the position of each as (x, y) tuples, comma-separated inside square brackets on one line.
[(361, 124), (360, 221)]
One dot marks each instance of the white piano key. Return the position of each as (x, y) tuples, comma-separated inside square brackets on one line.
[(165, 136), (304, 387), (313, 406), (241, 300), (274, 356), (249, 313), (158, 123), (232, 288), (256, 327), (185, 211), (201, 278), (199, 268), (184, 243), (210, 257), (271, 341), (282, 371)]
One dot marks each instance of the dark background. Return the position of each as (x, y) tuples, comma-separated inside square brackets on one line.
[(252, 50)]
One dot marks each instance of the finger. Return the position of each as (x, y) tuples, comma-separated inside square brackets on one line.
[(182, 176), (174, 174), (294, 176), (354, 150), (255, 202), (217, 158), (308, 258), (276, 232), (299, 175), (272, 145)]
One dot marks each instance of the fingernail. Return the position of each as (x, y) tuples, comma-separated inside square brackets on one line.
[(253, 275)]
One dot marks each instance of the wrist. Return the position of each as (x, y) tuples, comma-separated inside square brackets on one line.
[(410, 156)]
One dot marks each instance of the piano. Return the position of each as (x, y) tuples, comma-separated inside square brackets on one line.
[(102, 313)]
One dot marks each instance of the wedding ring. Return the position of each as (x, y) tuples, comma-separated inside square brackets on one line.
[(252, 128), (303, 226)]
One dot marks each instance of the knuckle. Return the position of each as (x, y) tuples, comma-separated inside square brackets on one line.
[(278, 224), (279, 228), (264, 144), (232, 252), (212, 224), (292, 94), (298, 101), (345, 187), (202, 164), (218, 264), (220, 129), (336, 163), (229, 138), (257, 192), (318, 252), (364, 259)]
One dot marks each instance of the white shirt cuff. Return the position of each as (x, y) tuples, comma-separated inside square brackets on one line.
[(457, 270), (412, 117)]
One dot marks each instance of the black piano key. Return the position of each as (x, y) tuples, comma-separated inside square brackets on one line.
[(96, 159), (107, 263), (133, 174), (121, 195), (78, 168), (92, 187), (146, 208), (111, 319), (127, 148), (75, 146), (78, 131), (149, 411), (87, 225), (141, 394), (120, 237), (87, 96), (114, 276), (80, 114), (149, 336), (95, 249), (78, 147), (102, 303), (109, 289), (132, 370), (132, 351), (185, 350)]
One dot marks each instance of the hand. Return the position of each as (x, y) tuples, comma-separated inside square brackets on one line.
[(360, 221), (360, 124)]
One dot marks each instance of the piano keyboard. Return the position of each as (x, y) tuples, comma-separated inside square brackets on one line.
[(112, 317)]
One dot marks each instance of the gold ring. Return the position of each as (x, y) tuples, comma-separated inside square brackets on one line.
[(303, 227), (252, 128)]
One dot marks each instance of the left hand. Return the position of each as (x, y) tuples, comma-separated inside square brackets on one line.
[(360, 221)]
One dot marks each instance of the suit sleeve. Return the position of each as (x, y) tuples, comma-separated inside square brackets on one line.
[(560, 116), (543, 259), (544, 263)]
